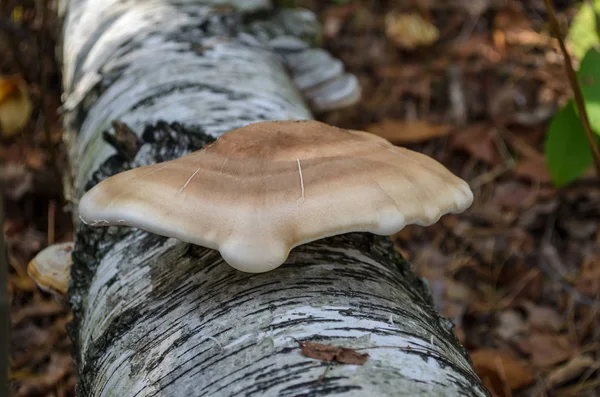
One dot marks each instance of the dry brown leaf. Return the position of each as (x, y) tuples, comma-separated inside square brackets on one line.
[(514, 195), (588, 280), (38, 309), (405, 132), (478, 141), (499, 369), (59, 367), (570, 370), (476, 46), (324, 352), (15, 105), (410, 30), (543, 318), (534, 169), (546, 350)]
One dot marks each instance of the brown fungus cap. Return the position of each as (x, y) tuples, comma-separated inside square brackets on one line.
[(51, 268), (261, 190)]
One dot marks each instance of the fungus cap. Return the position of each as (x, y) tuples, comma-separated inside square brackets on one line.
[(51, 268), (258, 191)]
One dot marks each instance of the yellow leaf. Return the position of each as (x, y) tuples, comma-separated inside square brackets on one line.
[(17, 14), (410, 31), (15, 105)]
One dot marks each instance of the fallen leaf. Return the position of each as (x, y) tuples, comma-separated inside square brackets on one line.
[(351, 356), (59, 367), (514, 195), (511, 20), (15, 105), (588, 279), (476, 46), (543, 318), (546, 350), (570, 370), (478, 141), (410, 30), (38, 309), (498, 369), (324, 352), (533, 169), (406, 132)]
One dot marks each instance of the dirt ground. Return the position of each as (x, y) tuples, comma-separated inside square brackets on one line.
[(473, 84)]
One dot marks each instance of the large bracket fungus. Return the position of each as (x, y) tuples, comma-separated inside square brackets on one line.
[(259, 191)]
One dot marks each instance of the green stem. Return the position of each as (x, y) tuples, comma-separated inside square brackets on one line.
[(574, 86)]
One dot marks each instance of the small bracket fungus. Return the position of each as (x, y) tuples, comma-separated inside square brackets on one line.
[(51, 268), (261, 190)]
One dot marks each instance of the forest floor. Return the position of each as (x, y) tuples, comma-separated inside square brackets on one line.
[(473, 86)]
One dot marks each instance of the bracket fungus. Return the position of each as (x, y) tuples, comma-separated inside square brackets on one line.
[(261, 190), (51, 268)]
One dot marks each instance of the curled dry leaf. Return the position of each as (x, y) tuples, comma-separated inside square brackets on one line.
[(410, 30), (324, 352), (405, 132), (15, 105)]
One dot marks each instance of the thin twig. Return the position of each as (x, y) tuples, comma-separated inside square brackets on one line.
[(51, 222), (4, 310), (43, 10), (574, 86)]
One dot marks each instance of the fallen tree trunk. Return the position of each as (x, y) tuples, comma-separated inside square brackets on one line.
[(155, 316)]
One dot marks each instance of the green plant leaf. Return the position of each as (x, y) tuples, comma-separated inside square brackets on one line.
[(589, 79), (582, 33), (568, 152)]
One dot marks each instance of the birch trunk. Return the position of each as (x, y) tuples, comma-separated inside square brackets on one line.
[(157, 317)]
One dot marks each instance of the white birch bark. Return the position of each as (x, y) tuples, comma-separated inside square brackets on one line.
[(158, 317)]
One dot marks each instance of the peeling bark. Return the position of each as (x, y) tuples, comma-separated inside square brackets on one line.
[(157, 317)]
